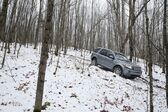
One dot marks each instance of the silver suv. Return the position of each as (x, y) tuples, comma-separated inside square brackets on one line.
[(115, 61)]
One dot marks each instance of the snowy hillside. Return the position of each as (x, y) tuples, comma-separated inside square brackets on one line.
[(70, 90)]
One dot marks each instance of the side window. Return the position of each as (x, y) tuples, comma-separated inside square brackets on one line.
[(109, 54), (103, 52)]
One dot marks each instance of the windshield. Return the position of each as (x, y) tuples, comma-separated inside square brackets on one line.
[(121, 57)]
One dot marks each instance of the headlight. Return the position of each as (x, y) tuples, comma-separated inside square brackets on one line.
[(128, 66)]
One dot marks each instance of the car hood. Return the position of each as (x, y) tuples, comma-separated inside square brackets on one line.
[(127, 62)]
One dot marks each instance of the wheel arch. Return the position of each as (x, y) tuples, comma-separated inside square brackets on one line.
[(94, 58), (118, 65)]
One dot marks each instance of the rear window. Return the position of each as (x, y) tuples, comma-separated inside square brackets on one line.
[(96, 50)]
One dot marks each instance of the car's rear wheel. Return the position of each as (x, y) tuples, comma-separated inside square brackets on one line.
[(94, 62), (133, 77), (118, 70)]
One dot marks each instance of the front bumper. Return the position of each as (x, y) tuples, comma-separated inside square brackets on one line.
[(132, 73)]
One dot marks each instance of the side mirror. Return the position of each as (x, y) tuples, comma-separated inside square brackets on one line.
[(111, 56)]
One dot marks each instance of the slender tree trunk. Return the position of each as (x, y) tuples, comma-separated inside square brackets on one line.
[(3, 37), (123, 25), (132, 18), (165, 44), (10, 36), (3, 16), (44, 56), (58, 32), (38, 26), (149, 48), (67, 28), (130, 33)]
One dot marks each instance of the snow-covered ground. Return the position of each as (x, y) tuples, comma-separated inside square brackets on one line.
[(70, 89)]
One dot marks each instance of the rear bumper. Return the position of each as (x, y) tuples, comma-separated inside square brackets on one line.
[(132, 73)]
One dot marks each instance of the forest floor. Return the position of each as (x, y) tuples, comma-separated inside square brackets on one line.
[(74, 88)]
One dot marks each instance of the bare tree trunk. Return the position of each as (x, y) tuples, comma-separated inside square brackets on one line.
[(165, 44), (132, 18), (10, 36), (76, 34), (44, 56), (58, 32), (130, 33), (67, 28), (123, 25), (149, 48), (3, 37), (38, 26), (91, 33), (3, 16)]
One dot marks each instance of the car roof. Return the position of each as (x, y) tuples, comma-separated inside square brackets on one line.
[(106, 49), (115, 52)]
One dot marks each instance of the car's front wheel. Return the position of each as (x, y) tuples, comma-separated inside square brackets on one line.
[(118, 70), (94, 62)]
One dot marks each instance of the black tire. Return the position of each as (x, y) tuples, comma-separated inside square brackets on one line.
[(132, 78), (94, 62), (118, 70)]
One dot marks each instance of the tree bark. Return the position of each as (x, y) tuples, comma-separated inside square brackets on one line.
[(149, 48), (3, 16), (165, 46), (133, 18), (44, 56), (38, 26)]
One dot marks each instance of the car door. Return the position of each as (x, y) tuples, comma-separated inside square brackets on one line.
[(104, 59), (110, 60)]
